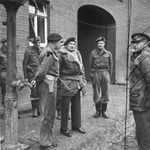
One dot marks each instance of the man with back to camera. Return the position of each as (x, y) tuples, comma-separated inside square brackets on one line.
[(100, 64), (46, 79), (140, 88)]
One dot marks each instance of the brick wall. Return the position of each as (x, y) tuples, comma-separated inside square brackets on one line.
[(63, 20), (22, 44), (2, 18), (140, 16), (22, 26), (22, 36)]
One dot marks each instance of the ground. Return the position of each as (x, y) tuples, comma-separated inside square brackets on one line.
[(101, 134)]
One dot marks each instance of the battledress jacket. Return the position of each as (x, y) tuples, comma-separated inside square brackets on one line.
[(47, 64), (30, 63), (100, 60), (140, 81)]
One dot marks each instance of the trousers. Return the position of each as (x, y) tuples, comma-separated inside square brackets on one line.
[(75, 110), (142, 120), (48, 108), (100, 82)]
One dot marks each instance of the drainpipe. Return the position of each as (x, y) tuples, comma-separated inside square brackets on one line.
[(127, 71)]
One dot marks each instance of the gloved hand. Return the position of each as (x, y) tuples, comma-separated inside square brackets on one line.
[(33, 83), (83, 84)]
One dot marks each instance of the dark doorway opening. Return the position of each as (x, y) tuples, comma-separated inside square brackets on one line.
[(94, 22)]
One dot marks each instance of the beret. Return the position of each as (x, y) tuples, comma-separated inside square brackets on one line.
[(100, 39), (139, 37), (3, 40), (70, 40), (54, 37)]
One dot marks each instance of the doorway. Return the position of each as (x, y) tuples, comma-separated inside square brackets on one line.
[(94, 22)]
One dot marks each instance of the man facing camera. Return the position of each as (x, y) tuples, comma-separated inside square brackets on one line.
[(100, 73), (72, 83)]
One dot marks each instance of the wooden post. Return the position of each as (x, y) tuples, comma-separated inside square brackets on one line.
[(11, 98)]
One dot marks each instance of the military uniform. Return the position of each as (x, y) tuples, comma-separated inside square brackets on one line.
[(101, 69), (46, 78), (30, 64), (140, 90), (72, 81), (3, 69)]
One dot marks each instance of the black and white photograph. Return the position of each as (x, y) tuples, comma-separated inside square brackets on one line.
[(74, 74)]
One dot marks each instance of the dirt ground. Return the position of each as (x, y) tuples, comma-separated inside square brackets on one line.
[(101, 134)]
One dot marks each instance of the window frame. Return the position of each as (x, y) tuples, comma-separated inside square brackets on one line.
[(35, 23)]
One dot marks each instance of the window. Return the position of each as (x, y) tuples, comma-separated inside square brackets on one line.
[(39, 22)]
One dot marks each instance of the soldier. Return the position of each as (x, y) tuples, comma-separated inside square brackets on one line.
[(100, 72), (3, 65), (30, 64), (46, 79), (140, 88), (72, 81)]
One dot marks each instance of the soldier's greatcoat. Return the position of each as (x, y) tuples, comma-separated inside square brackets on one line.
[(30, 64), (140, 97), (72, 81)]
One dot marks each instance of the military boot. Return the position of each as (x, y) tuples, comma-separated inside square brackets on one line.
[(104, 108), (98, 113), (34, 108), (100, 108)]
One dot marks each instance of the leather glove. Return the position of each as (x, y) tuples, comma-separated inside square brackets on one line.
[(33, 83)]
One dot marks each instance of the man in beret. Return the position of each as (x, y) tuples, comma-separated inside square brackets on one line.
[(46, 79), (3, 67), (140, 88), (100, 64), (30, 64), (72, 83)]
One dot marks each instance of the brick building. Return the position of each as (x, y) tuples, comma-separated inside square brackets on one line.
[(86, 20)]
